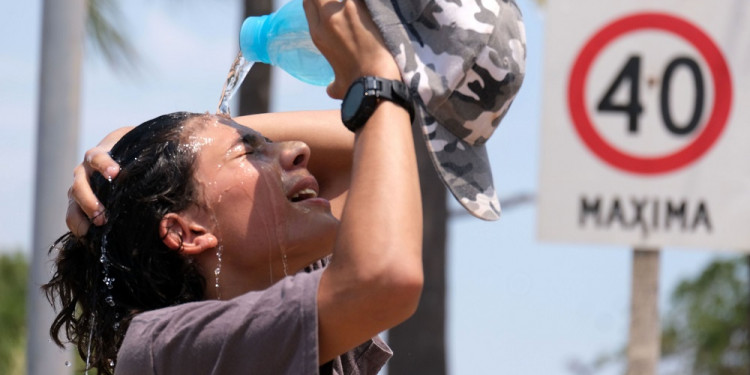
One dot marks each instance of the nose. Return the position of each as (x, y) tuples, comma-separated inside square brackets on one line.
[(294, 154)]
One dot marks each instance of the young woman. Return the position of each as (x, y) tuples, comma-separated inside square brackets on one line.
[(206, 226)]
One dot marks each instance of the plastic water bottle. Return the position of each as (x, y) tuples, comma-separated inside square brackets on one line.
[(283, 39)]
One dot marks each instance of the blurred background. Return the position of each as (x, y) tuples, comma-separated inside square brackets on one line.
[(513, 305)]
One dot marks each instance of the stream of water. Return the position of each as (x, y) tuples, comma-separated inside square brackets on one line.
[(236, 75)]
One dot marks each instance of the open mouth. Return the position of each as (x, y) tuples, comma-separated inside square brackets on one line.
[(303, 194)]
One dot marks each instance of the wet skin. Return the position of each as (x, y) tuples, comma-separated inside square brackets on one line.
[(261, 203)]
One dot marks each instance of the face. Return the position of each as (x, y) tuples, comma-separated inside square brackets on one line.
[(260, 199)]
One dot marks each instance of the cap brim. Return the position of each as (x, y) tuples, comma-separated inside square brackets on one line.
[(464, 169)]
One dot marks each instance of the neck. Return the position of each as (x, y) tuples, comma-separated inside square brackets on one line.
[(235, 279)]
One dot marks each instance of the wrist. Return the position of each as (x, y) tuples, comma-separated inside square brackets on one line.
[(379, 66), (364, 96)]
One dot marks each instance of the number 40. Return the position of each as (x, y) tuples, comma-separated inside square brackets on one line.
[(632, 72)]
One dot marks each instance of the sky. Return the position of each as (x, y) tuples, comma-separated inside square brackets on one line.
[(516, 305)]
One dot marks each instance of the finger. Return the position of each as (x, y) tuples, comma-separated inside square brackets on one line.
[(311, 12), (76, 220), (320, 3), (317, 10), (98, 159), (335, 90), (80, 192)]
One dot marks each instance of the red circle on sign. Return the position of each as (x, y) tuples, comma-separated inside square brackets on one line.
[(682, 157)]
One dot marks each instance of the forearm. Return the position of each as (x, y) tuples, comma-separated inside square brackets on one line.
[(321, 130), (381, 227), (375, 277)]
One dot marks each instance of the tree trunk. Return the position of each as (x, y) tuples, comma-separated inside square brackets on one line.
[(57, 143), (419, 343), (255, 91)]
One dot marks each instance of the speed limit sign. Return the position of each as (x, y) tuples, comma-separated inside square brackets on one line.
[(645, 137)]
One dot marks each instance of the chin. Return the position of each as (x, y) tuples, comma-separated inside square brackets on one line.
[(314, 239), (326, 237)]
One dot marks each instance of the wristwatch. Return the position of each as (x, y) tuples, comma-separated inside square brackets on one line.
[(364, 95)]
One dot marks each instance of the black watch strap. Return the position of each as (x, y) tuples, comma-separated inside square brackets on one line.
[(396, 92), (372, 90)]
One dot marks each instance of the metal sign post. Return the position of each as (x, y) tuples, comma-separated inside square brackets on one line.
[(644, 337)]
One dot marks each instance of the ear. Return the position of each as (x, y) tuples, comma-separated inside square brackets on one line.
[(186, 235)]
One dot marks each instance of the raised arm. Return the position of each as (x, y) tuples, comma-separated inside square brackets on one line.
[(375, 277)]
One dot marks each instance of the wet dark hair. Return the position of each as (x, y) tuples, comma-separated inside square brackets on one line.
[(122, 268)]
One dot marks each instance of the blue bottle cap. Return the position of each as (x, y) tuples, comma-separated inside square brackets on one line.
[(253, 39)]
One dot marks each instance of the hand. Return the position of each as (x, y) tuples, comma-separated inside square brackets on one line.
[(346, 35), (83, 206)]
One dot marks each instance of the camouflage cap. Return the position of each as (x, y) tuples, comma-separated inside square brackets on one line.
[(463, 61)]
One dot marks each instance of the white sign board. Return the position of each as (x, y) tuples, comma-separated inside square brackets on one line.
[(646, 123)]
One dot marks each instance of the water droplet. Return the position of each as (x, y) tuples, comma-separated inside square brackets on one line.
[(67, 363), (217, 270), (111, 362), (109, 282), (110, 301)]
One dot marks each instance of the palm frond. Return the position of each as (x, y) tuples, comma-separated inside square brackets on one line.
[(105, 36)]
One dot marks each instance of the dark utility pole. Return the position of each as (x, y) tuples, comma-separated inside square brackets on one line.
[(419, 343), (255, 91)]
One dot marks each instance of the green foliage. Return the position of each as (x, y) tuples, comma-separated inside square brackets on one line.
[(14, 271), (103, 26), (708, 321)]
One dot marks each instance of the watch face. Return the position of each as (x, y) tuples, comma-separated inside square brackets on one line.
[(352, 101)]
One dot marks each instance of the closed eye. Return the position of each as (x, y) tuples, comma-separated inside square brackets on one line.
[(251, 143)]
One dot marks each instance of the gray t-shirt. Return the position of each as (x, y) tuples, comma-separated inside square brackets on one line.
[(274, 331)]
